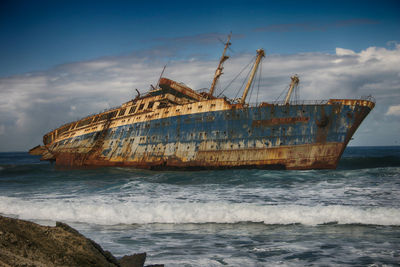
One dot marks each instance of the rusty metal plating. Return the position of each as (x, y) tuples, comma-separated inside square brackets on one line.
[(174, 127)]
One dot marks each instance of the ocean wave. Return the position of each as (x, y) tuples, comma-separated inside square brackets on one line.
[(111, 212)]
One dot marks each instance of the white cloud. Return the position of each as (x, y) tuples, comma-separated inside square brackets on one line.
[(34, 103), (393, 110), (344, 52)]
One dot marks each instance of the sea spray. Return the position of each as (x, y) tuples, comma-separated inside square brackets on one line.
[(109, 212), (348, 216)]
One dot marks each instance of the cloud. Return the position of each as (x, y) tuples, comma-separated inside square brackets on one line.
[(315, 26), (34, 103), (344, 52), (393, 110)]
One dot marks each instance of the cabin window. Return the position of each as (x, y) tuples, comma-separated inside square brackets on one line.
[(213, 105), (85, 122), (177, 110), (200, 106), (151, 104), (141, 106), (133, 108), (162, 105), (108, 115), (122, 112), (102, 117)]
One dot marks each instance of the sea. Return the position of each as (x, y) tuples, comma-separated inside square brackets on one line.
[(344, 217)]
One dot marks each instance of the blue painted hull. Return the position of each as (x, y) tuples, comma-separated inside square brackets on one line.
[(270, 136)]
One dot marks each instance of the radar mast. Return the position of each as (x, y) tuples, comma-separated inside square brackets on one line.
[(218, 71)]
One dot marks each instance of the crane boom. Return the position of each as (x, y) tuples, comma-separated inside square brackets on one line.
[(260, 55)]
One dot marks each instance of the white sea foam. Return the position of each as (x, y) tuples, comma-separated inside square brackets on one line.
[(109, 212)]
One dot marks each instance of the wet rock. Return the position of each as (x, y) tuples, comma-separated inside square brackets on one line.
[(135, 260), (24, 243)]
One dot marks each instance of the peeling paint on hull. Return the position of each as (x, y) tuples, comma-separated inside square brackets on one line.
[(284, 158), (213, 134)]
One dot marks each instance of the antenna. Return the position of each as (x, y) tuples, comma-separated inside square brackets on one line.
[(162, 72)]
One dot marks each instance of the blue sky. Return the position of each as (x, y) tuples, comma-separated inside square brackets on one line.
[(61, 60), (36, 35)]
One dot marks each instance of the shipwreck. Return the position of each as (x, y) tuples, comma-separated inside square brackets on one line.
[(175, 127)]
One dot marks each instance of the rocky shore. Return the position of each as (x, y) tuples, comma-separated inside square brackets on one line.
[(24, 243)]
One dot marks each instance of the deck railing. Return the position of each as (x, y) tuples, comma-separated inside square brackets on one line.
[(307, 102), (251, 104)]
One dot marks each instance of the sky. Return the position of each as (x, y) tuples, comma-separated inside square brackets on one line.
[(62, 60)]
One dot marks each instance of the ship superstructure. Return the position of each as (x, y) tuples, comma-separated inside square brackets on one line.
[(175, 127)]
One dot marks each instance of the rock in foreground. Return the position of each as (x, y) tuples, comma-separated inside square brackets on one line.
[(24, 243)]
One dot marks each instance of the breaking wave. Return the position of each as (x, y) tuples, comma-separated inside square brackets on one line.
[(98, 211)]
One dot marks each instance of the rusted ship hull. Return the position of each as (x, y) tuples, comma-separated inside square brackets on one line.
[(176, 127), (211, 134)]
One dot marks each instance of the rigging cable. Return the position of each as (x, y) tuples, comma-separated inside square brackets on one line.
[(297, 93), (236, 77), (246, 78), (284, 90), (259, 82), (251, 90)]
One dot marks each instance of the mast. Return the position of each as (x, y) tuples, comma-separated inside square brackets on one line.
[(218, 71), (295, 82), (260, 55), (162, 72)]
